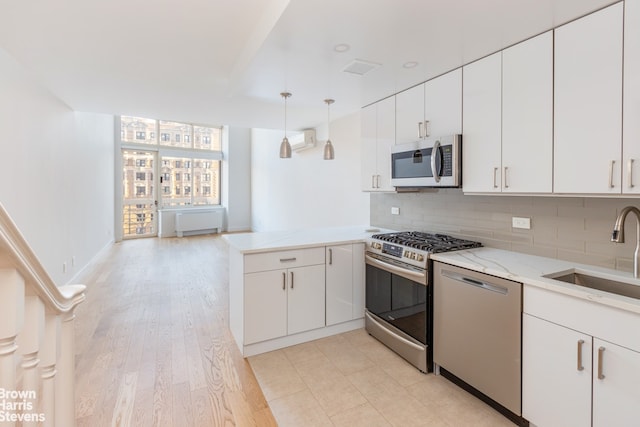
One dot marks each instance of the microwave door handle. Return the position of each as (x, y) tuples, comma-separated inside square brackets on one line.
[(435, 154)]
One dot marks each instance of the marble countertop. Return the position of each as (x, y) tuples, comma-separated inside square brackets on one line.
[(247, 243), (530, 269)]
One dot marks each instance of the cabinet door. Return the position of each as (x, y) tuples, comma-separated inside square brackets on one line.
[(482, 128), (265, 306), (339, 282), (588, 103), (385, 139), (305, 299), (554, 391), (369, 151), (616, 396), (527, 116), (443, 103), (631, 107), (410, 114), (359, 283)]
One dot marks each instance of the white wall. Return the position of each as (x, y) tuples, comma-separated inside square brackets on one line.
[(305, 190), (236, 178), (56, 179)]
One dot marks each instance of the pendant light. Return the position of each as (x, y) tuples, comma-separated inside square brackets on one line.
[(285, 147), (328, 148)]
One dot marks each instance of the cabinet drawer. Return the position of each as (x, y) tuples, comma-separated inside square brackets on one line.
[(283, 259), (590, 317)]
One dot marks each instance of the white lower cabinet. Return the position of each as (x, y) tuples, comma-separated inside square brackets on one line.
[(572, 372), (554, 391), (345, 283), (283, 302)]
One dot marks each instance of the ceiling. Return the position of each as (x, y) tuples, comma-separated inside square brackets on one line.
[(226, 61)]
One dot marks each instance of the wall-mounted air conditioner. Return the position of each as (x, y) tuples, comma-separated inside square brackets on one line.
[(303, 140)]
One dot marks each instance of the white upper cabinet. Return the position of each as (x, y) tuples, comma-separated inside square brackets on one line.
[(430, 109), (410, 115), (631, 107), (588, 103), (508, 120), (377, 137), (481, 138), (443, 104), (527, 116)]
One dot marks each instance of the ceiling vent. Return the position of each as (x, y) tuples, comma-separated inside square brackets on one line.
[(360, 67)]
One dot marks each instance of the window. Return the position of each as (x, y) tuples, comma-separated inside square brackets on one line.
[(189, 158)]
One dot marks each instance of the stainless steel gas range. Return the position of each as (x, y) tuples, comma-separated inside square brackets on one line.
[(399, 291)]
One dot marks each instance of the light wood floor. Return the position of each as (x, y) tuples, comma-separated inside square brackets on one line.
[(153, 347)]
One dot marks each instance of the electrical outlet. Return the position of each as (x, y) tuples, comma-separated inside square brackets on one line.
[(395, 211), (524, 223)]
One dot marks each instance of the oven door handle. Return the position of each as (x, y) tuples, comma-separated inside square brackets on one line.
[(415, 276), (394, 336)]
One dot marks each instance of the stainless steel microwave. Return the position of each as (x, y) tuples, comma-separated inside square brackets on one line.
[(432, 162)]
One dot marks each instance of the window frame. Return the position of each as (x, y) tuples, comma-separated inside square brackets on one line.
[(188, 177)]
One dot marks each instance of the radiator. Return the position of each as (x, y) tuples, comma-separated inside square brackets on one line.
[(198, 222)]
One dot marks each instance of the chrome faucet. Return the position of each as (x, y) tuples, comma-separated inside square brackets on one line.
[(618, 234)]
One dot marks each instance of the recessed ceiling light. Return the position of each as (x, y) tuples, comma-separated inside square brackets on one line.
[(342, 47), (410, 64)]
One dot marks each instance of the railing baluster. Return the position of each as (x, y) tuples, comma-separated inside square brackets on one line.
[(29, 342), (12, 309), (49, 355)]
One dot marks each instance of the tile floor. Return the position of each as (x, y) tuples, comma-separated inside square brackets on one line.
[(351, 380)]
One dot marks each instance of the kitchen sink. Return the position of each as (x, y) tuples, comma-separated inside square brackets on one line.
[(575, 277)]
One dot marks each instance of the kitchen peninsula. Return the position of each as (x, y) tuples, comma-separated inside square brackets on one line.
[(289, 287)]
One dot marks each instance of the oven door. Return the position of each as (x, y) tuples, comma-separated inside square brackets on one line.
[(398, 294)]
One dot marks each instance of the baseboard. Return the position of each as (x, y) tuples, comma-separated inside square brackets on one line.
[(92, 261)]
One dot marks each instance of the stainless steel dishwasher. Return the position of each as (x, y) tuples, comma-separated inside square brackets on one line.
[(477, 322)]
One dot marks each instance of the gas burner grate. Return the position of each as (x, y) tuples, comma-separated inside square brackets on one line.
[(428, 242)]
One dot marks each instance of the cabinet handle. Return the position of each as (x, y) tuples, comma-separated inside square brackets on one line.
[(377, 181), (330, 256), (600, 357), (420, 130), (284, 281), (495, 174), (427, 128), (373, 181), (611, 173), (287, 259), (580, 367), (292, 280), (506, 185), (631, 173)]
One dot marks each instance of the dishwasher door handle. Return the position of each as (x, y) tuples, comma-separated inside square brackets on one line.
[(475, 282)]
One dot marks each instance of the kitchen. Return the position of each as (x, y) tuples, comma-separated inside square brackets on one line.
[(572, 226)]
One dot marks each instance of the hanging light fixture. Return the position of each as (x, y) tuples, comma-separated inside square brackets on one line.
[(285, 147), (328, 148)]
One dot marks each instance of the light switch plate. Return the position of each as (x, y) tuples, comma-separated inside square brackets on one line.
[(518, 222), (395, 211)]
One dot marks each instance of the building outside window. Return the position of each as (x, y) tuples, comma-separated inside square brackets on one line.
[(187, 154)]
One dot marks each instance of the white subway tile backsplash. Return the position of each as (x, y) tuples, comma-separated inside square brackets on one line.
[(570, 228)]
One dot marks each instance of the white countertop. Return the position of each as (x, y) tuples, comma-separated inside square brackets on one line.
[(529, 269), (247, 243)]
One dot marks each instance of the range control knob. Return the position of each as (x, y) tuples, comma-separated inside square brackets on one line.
[(408, 254), (376, 245), (420, 257)]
